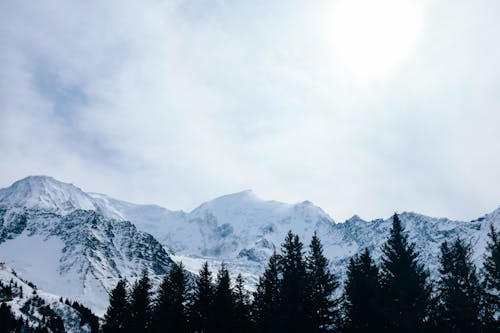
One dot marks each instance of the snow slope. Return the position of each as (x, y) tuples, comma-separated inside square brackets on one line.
[(239, 229), (78, 254), (28, 302), (46, 193), (242, 230)]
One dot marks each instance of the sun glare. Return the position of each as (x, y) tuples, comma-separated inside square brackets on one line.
[(371, 38)]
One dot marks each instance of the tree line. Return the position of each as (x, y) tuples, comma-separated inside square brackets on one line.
[(299, 293)]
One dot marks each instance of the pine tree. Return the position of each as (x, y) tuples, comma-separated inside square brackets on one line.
[(201, 308), (404, 282), (241, 307), (459, 289), (293, 292), (116, 317), (321, 285), (266, 298), (170, 314), (140, 305), (7, 319), (223, 309), (491, 268), (362, 295)]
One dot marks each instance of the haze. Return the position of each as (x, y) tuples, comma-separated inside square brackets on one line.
[(361, 107)]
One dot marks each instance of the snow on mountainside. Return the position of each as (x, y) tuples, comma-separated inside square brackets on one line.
[(42, 192), (81, 254), (242, 230), (236, 225), (239, 229), (31, 304), (147, 218)]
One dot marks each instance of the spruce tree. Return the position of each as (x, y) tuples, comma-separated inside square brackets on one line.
[(266, 298), (116, 317), (362, 295), (459, 289), (201, 308), (321, 285), (140, 305), (293, 287), (8, 321), (491, 269), (223, 309), (241, 306), (405, 284), (170, 314)]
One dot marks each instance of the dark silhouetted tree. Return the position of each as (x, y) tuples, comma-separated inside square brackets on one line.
[(241, 307), (201, 308), (293, 287), (266, 302), (321, 306), (491, 269), (459, 289), (8, 321), (362, 295), (405, 284), (140, 305), (116, 317), (170, 314), (223, 309)]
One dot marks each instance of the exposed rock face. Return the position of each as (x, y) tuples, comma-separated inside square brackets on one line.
[(78, 244)]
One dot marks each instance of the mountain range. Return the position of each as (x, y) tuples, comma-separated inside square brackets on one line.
[(77, 244)]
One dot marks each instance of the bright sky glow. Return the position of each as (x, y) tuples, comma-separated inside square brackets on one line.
[(371, 38), (361, 106)]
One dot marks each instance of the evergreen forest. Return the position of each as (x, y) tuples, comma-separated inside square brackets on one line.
[(298, 292)]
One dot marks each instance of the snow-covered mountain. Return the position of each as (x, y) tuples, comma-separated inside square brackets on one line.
[(51, 233), (242, 230), (34, 306), (91, 242)]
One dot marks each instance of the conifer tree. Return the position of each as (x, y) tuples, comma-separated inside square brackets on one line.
[(362, 295), (404, 282), (491, 268), (7, 319), (116, 317), (241, 306), (201, 308), (459, 289), (223, 309), (321, 285), (140, 305), (293, 286), (170, 314), (266, 298)]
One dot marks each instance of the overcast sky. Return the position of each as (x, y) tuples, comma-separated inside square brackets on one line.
[(362, 107)]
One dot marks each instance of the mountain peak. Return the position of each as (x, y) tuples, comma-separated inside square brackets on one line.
[(37, 177), (245, 194), (37, 181), (355, 218), (44, 192), (228, 201)]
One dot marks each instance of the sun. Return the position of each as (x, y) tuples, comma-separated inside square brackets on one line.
[(372, 38)]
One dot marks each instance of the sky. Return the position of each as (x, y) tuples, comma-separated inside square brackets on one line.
[(362, 107)]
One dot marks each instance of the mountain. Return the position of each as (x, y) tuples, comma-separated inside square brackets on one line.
[(242, 230), (53, 234), (238, 229), (94, 239), (33, 305), (45, 193)]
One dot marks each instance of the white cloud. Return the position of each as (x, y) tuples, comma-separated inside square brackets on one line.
[(174, 103)]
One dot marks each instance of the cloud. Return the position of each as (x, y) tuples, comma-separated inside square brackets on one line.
[(177, 102)]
